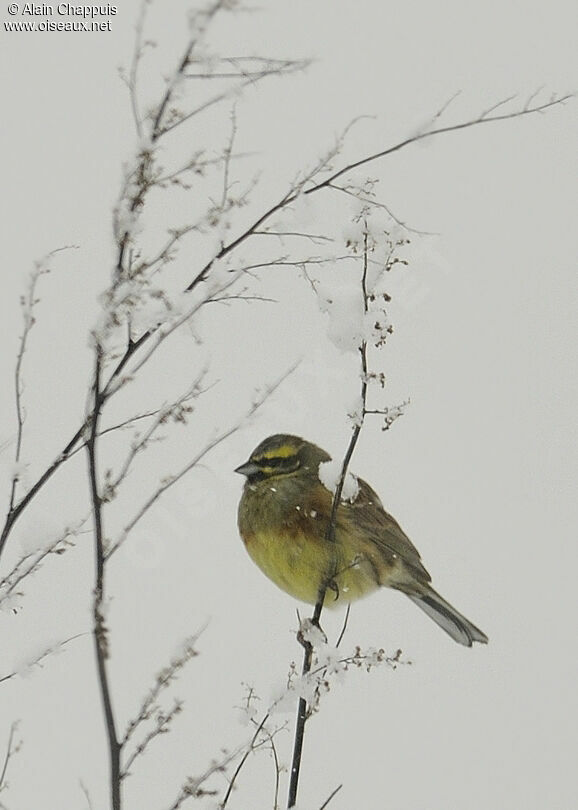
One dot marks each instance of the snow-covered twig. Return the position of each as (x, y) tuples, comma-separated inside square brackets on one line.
[(117, 380), (176, 411), (169, 481), (150, 707), (30, 563), (36, 660), (193, 788)]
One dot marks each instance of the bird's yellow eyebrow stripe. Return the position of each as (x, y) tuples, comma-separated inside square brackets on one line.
[(280, 452)]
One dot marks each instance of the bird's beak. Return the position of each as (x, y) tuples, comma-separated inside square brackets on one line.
[(248, 468)]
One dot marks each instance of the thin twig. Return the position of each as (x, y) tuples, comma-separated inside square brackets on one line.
[(10, 751), (37, 660), (177, 410), (163, 722), (313, 237), (28, 302), (136, 58), (119, 426), (484, 118), (116, 381), (163, 680), (264, 63), (244, 758), (30, 563), (227, 157), (86, 795), (193, 787), (331, 795), (277, 773), (231, 92), (344, 626), (362, 198), (14, 513)]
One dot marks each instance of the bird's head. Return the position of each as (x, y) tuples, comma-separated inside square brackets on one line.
[(282, 455)]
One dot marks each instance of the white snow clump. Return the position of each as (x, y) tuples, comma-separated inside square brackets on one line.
[(329, 475)]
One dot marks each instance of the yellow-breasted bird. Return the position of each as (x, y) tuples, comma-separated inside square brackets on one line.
[(284, 516)]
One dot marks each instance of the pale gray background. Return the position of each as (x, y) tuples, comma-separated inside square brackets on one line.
[(481, 471)]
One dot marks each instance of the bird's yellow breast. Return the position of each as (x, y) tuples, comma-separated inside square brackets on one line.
[(294, 552)]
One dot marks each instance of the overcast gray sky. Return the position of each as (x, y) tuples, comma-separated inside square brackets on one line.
[(480, 471)]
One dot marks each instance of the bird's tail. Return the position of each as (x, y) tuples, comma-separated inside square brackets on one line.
[(448, 618)]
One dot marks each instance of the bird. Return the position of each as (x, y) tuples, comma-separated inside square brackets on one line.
[(284, 520)]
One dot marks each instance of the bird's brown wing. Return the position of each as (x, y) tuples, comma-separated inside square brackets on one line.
[(384, 531)]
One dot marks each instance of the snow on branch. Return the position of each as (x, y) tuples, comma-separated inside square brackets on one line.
[(31, 661)]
